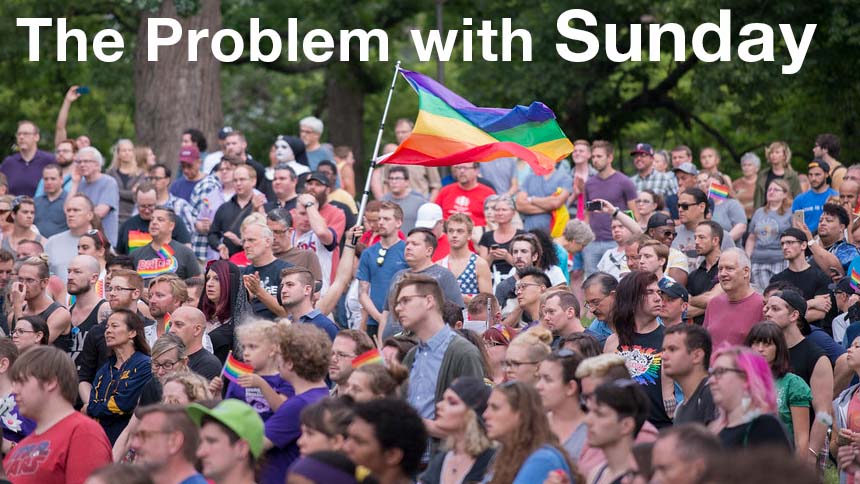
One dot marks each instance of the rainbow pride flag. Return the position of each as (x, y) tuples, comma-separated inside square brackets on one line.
[(368, 358), (855, 274), (718, 192), (166, 323), (450, 130), (138, 239), (233, 369)]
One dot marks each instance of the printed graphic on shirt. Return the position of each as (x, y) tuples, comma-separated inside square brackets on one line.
[(8, 416), (644, 363), (26, 459), (254, 397), (165, 263), (461, 205)]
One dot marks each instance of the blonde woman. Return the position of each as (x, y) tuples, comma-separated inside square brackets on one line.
[(525, 354), (184, 387), (778, 155), (128, 173), (768, 222)]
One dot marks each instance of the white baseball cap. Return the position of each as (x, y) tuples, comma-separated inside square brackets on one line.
[(429, 215)]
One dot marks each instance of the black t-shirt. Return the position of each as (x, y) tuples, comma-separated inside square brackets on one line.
[(488, 240), (804, 356), (645, 364), (151, 392), (701, 281), (698, 407), (764, 430), (137, 224), (205, 364), (270, 279), (811, 282), (222, 341), (771, 176)]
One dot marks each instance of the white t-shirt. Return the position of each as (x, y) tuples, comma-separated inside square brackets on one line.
[(614, 262), (310, 241)]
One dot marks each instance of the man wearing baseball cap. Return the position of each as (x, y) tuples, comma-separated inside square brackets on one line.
[(845, 296), (675, 302), (646, 177), (231, 441), (811, 202), (685, 173), (189, 161), (212, 159), (661, 228)]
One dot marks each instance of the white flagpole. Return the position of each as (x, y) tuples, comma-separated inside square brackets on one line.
[(373, 160)]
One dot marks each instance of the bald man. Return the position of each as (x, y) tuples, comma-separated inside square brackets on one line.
[(89, 309), (190, 325), (848, 192)]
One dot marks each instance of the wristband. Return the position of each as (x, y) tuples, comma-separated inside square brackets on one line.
[(615, 213)]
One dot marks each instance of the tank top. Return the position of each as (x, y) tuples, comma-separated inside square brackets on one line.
[(73, 341), (468, 279), (645, 362)]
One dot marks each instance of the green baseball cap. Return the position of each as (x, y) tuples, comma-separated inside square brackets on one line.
[(236, 416)]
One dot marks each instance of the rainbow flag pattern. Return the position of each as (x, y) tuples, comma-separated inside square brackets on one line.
[(855, 277), (137, 239), (165, 263), (450, 130), (368, 358), (718, 192), (166, 323), (233, 369)]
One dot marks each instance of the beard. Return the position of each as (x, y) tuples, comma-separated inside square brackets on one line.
[(78, 290)]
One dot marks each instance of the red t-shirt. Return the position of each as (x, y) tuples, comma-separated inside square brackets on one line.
[(336, 220), (454, 199), (370, 238), (66, 453)]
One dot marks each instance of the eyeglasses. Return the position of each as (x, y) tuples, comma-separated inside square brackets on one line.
[(167, 365), (718, 372), (21, 332), (593, 304), (118, 289), (521, 286), (341, 355), (381, 259), (28, 280), (516, 364), (145, 206), (85, 160), (155, 178), (396, 178), (97, 235), (403, 300)]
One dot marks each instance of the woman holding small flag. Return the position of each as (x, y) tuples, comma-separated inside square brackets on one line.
[(728, 212), (763, 242)]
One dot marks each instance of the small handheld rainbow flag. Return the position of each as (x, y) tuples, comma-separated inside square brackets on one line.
[(368, 358), (233, 369), (718, 192), (166, 252), (138, 239), (855, 278), (166, 323)]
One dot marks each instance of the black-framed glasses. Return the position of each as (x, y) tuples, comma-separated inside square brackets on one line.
[(516, 364), (167, 365), (119, 288), (403, 300), (21, 332), (719, 371), (593, 304), (381, 257)]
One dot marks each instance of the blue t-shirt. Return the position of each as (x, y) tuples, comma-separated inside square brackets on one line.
[(812, 204), (538, 186), (195, 479), (537, 466), (320, 320), (380, 276), (254, 396), (182, 187), (283, 429)]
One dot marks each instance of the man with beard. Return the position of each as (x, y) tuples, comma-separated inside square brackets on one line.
[(811, 202), (167, 293), (50, 217), (166, 443), (7, 263), (65, 155), (89, 309), (318, 225), (27, 297), (263, 275), (164, 255), (646, 177)]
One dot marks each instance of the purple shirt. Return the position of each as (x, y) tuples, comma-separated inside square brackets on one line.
[(254, 397), (617, 190), (284, 429), (23, 177)]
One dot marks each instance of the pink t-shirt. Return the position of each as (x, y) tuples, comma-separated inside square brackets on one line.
[(730, 321)]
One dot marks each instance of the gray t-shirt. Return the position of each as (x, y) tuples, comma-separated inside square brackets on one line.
[(410, 204), (728, 214), (767, 226), (538, 186), (500, 172), (150, 264), (104, 191), (685, 241), (446, 279), (61, 248)]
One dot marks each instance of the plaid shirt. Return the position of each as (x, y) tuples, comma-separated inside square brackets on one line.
[(205, 200), (661, 183), (183, 210)]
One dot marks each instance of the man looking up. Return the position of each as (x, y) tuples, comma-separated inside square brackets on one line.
[(50, 217), (136, 228), (686, 354), (263, 275), (102, 190), (24, 168), (466, 196), (561, 315), (62, 247), (378, 265), (730, 316), (811, 202), (297, 289), (613, 187), (163, 255)]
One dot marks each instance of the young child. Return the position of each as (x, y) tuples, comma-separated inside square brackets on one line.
[(264, 390), (15, 426)]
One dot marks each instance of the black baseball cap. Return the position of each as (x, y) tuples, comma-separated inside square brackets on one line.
[(672, 289), (318, 176), (843, 285), (794, 232), (795, 300), (659, 219)]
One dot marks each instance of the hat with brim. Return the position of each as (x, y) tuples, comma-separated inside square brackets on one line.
[(237, 416)]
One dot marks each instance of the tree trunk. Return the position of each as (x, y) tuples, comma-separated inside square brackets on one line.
[(345, 117), (172, 94)]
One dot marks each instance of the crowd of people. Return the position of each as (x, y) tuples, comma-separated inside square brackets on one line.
[(235, 322)]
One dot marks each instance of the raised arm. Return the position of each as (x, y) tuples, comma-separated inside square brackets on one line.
[(60, 132)]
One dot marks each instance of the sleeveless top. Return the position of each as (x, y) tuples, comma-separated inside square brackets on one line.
[(73, 342), (49, 311), (468, 279)]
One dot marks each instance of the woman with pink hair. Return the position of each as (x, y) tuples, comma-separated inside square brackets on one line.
[(743, 389)]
